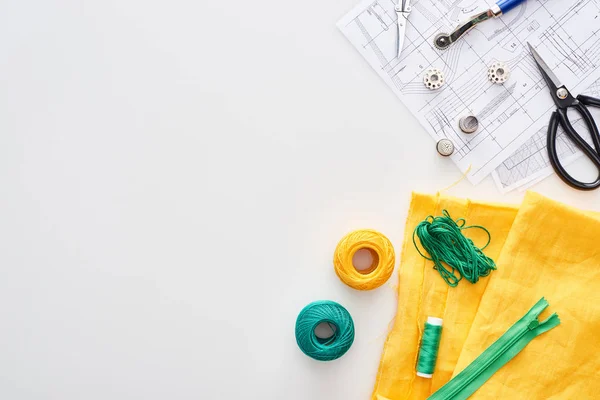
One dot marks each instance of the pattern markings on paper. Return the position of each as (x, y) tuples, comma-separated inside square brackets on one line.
[(566, 33)]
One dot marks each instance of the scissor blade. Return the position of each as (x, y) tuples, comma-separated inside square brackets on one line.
[(401, 34), (547, 73), (402, 12)]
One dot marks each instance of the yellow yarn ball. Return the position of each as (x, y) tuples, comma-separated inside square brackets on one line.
[(382, 253)]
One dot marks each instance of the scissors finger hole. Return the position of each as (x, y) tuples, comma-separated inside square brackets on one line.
[(569, 154), (577, 121), (582, 169)]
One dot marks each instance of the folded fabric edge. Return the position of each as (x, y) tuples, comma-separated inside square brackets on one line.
[(415, 197)]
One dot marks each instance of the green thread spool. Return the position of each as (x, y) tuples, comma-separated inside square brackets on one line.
[(337, 317), (442, 238), (430, 344)]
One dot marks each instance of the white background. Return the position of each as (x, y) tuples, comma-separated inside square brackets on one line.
[(175, 176)]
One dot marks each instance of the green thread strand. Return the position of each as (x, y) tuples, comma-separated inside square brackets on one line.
[(339, 320), (443, 240), (430, 344)]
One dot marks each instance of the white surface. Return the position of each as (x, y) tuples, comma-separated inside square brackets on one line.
[(175, 177), (565, 32)]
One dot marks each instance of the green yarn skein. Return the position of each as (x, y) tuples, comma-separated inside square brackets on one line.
[(443, 240)]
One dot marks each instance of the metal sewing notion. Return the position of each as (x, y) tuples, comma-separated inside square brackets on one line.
[(443, 40), (403, 10), (468, 124), (445, 147), (498, 72), (434, 79)]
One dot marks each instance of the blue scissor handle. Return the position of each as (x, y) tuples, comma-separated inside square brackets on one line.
[(507, 5)]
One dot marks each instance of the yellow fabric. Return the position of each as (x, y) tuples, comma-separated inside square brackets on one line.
[(542, 248)]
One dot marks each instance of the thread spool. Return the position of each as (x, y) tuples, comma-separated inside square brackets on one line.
[(381, 253), (338, 319), (430, 344)]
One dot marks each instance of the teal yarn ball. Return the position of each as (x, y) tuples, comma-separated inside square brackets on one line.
[(333, 314)]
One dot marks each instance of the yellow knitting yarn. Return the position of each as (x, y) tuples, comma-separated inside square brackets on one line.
[(382, 253)]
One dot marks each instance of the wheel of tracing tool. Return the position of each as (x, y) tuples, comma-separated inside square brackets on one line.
[(443, 40), (498, 73), (433, 79)]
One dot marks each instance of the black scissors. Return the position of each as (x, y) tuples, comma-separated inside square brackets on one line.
[(564, 100)]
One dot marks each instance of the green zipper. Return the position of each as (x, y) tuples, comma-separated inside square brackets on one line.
[(499, 353)]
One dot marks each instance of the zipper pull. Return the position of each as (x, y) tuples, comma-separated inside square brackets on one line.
[(533, 324), (504, 349), (547, 324), (544, 325)]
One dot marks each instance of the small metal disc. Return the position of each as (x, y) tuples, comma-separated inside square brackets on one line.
[(445, 147), (434, 79), (442, 41), (562, 93), (498, 73), (468, 124)]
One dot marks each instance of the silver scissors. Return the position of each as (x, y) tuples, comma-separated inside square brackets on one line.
[(403, 10)]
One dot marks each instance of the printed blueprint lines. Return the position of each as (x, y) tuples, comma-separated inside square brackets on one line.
[(565, 32), (533, 156), (530, 162), (517, 18)]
